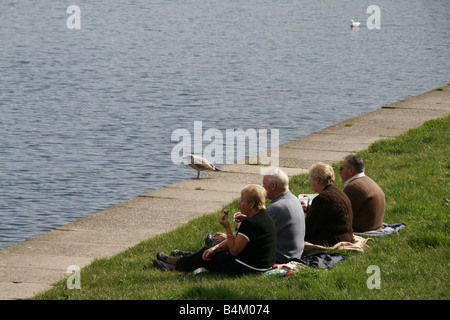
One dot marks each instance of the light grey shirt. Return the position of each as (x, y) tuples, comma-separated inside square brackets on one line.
[(287, 214)]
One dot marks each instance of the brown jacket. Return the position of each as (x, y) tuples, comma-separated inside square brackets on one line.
[(329, 219), (368, 204)]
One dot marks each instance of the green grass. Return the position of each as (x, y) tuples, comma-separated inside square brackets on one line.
[(413, 171)]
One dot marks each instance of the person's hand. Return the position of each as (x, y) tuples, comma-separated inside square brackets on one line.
[(223, 220), (239, 217), (220, 236), (304, 206), (209, 253)]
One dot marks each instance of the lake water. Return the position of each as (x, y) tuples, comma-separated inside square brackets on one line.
[(86, 115)]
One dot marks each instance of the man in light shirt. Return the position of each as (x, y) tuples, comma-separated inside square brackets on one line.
[(367, 198), (286, 212)]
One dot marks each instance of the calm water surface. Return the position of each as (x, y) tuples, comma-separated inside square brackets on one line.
[(86, 116)]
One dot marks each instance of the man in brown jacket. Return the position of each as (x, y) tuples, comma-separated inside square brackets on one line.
[(367, 198)]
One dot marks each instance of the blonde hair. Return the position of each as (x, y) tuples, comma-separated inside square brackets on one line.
[(323, 172), (256, 193)]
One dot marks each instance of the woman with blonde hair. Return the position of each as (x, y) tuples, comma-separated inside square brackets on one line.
[(329, 219), (252, 248)]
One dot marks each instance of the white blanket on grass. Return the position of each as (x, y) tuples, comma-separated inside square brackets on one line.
[(358, 244), (385, 230)]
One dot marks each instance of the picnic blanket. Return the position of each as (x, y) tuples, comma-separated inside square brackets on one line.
[(325, 260), (385, 230), (359, 244), (318, 260), (321, 260)]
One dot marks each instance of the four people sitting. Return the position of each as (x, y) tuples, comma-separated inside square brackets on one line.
[(277, 235)]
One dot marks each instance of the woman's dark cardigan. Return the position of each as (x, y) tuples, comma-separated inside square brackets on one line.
[(329, 219)]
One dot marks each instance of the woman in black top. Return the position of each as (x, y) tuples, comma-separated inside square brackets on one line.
[(251, 249)]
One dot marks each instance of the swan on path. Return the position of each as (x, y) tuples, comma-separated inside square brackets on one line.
[(200, 164), (354, 24)]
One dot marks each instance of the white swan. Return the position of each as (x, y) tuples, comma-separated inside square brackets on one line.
[(200, 164), (354, 24)]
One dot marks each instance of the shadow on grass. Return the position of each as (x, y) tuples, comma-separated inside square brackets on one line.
[(219, 292)]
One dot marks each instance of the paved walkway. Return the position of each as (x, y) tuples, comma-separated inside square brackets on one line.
[(35, 264)]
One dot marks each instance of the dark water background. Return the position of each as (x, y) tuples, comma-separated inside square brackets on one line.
[(86, 116)]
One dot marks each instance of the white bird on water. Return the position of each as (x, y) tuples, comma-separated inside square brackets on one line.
[(200, 164), (354, 24)]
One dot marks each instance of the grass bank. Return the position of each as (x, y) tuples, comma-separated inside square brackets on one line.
[(413, 171)]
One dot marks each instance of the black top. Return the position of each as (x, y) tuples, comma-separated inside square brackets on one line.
[(259, 253)]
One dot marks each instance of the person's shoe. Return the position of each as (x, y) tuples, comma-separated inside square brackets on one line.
[(162, 256), (180, 253), (161, 265), (209, 240)]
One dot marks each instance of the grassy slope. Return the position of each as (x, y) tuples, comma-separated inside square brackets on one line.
[(412, 169)]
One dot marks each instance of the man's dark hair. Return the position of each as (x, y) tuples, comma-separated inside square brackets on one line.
[(354, 161)]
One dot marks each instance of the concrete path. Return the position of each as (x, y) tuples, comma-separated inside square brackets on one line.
[(36, 264)]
